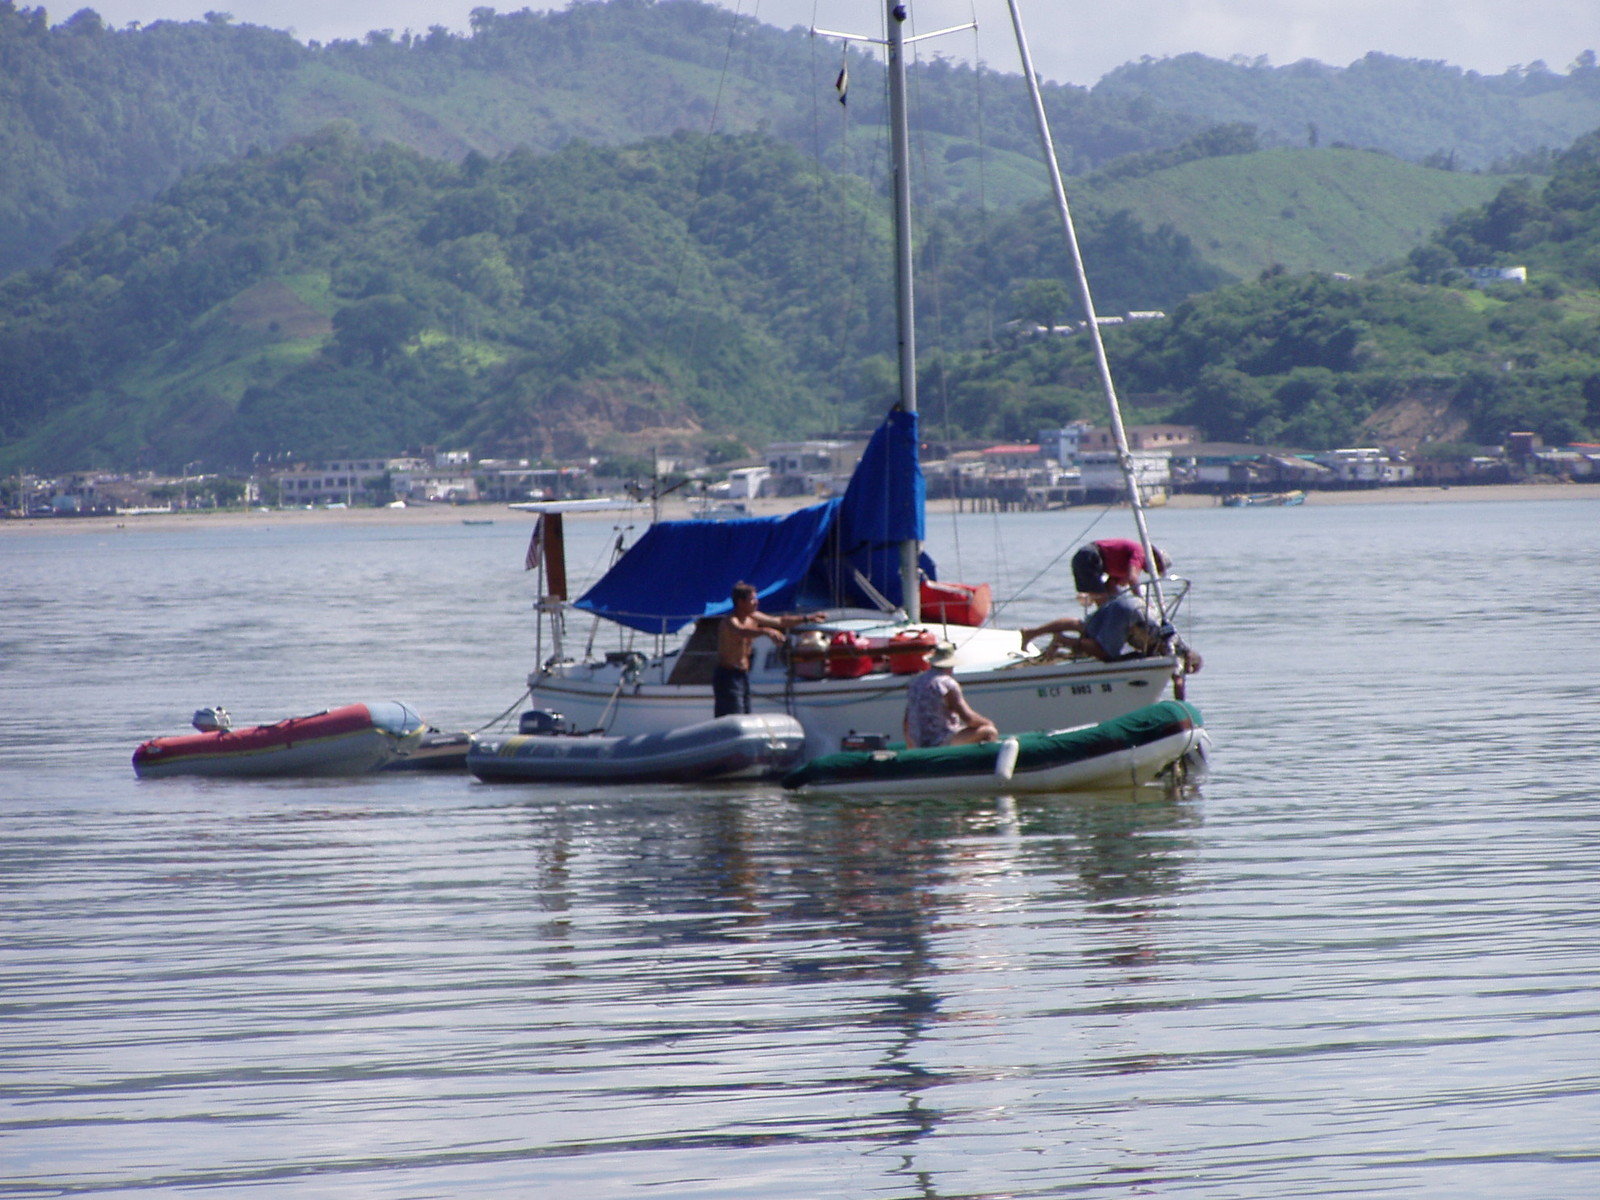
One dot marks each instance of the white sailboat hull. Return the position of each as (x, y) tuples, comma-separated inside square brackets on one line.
[(1019, 698)]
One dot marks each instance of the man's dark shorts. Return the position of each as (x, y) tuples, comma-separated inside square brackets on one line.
[(730, 690)]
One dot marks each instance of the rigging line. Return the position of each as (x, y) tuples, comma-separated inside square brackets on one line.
[(847, 240), (861, 295), (1085, 296), (931, 263), (983, 245), (1087, 529), (851, 233), (983, 179), (677, 298), (617, 551), (853, 245)]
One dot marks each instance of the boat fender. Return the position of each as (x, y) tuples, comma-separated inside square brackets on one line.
[(1006, 761), (209, 720)]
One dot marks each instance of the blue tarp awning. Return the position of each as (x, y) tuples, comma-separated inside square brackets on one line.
[(680, 571)]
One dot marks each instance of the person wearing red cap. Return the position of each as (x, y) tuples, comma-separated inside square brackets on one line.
[(1118, 559)]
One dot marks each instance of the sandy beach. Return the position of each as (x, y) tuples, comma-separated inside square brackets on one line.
[(445, 514)]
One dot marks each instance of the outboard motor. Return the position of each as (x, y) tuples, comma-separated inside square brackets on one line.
[(541, 720), (210, 720)]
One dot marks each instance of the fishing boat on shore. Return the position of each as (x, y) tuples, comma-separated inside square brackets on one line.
[(350, 740), (1126, 751), (857, 558), (1263, 499)]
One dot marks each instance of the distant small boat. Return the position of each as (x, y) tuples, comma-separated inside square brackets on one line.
[(736, 747), (1130, 749), (350, 740), (723, 510), (1263, 499)]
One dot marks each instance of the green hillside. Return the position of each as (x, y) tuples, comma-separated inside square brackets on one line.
[(95, 119), (1413, 109), (1415, 351), (336, 298), (1308, 210)]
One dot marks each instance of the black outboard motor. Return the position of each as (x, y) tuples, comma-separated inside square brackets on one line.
[(541, 720)]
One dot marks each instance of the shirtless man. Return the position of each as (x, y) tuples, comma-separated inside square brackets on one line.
[(730, 682)]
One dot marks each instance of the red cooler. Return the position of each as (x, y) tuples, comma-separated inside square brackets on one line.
[(909, 649), (848, 656)]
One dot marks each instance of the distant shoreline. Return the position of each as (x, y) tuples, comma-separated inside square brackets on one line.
[(1426, 495), (443, 514)]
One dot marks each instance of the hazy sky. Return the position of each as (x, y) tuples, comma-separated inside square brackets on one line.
[(1071, 42)]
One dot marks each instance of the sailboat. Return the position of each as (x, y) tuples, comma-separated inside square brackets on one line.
[(858, 557)]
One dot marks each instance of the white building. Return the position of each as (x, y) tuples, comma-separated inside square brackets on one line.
[(437, 485), (744, 483), (812, 467), (1101, 473), (353, 480), (342, 481), (1368, 465)]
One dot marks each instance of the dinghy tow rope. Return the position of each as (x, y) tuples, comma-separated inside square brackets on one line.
[(515, 704)]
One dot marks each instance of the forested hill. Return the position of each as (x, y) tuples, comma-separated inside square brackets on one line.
[(93, 119), (1427, 112), (336, 297), (1412, 355)]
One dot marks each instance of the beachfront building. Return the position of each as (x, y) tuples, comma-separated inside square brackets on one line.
[(745, 483), (1094, 440), (516, 480), (339, 481), (1102, 479), (1367, 466), (816, 467), (435, 485), (1064, 443), (437, 478)]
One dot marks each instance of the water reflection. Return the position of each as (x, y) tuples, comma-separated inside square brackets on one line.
[(853, 941)]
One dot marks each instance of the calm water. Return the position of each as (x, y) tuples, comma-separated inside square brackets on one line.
[(1361, 959)]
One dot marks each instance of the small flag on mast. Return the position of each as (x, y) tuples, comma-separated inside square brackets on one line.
[(535, 545), (841, 84)]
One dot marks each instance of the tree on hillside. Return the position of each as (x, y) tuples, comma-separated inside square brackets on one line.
[(1043, 301), (378, 327)]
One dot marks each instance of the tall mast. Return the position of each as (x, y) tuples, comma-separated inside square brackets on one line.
[(1124, 455), (905, 301), (905, 304)]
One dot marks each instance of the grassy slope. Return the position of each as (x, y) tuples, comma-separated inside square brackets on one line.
[(1311, 210)]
